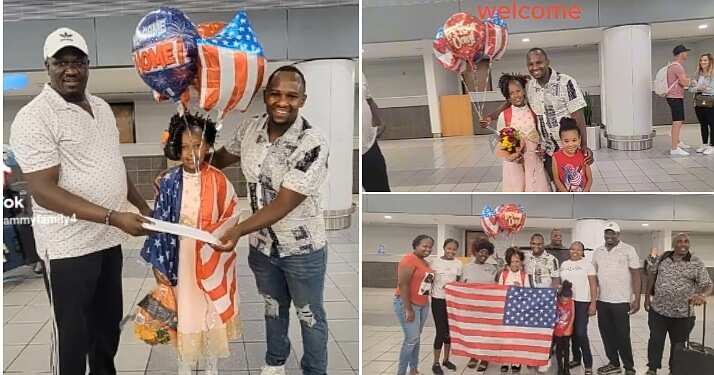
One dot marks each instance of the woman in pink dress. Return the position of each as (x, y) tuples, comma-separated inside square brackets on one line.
[(522, 170)]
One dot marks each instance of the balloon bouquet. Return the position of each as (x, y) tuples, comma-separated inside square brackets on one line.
[(223, 64), (506, 218), (464, 41)]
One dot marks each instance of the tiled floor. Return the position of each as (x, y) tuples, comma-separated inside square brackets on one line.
[(26, 331), (467, 164), (382, 338)]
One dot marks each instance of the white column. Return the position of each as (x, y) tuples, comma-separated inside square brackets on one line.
[(441, 236), (330, 107), (627, 86), (662, 240), (439, 81), (590, 232)]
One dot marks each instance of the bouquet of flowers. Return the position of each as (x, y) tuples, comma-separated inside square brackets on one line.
[(509, 139), (155, 320)]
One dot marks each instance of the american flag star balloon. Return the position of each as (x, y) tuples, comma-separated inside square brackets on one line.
[(496, 37), (489, 222), (232, 65)]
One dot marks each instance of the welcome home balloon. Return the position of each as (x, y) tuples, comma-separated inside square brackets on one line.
[(164, 51)]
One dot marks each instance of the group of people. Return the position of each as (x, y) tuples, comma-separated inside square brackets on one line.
[(702, 85), (67, 144), (605, 283), (546, 108)]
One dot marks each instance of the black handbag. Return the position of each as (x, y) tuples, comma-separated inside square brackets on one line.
[(692, 358), (704, 101)]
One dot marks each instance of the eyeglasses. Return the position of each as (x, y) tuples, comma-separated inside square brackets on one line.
[(78, 64)]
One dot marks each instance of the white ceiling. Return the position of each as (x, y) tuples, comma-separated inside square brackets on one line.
[(532, 222), (18, 10), (685, 31)]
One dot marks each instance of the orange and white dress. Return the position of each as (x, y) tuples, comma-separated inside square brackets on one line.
[(206, 296)]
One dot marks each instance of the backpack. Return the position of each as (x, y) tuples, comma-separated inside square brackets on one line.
[(661, 88)]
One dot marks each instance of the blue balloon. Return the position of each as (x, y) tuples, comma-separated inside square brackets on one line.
[(164, 51)]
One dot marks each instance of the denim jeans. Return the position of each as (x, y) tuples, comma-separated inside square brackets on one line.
[(409, 355), (581, 343), (299, 279)]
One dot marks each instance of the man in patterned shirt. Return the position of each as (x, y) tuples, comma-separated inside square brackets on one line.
[(677, 280), (552, 95), (544, 269), (284, 160)]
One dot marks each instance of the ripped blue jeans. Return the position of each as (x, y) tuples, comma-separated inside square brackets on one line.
[(299, 279)]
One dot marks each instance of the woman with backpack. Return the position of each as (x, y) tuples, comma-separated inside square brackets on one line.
[(704, 101), (522, 169)]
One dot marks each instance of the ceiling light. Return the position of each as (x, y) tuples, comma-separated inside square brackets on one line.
[(703, 26), (645, 225), (387, 217), (526, 40)]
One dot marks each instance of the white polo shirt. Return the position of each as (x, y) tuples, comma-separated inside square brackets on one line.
[(613, 272), (50, 131)]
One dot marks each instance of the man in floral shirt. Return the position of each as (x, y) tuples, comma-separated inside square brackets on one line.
[(284, 160)]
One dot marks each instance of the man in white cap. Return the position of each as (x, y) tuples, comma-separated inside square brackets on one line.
[(67, 144), (618, 272)]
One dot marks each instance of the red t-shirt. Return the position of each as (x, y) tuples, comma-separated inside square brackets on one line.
[(571, 170), (565, 318), (421, 281)]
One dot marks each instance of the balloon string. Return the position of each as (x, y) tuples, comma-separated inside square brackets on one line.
[(478, 105)]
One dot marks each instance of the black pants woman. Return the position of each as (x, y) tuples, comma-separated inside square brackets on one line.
[(706, 122)]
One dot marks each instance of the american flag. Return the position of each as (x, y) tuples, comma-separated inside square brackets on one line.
[(232, 67), (501, 324), (496, 39), (215, 271)]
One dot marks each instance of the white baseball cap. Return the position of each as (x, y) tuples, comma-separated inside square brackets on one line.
[(64, 37), (611, 225)]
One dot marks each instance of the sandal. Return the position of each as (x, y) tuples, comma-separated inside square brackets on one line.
[(588, 371)]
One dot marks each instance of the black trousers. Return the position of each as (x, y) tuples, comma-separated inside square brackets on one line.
[(441, 323), (374, 170), (613, 320), (678, 330), (706, 123), (86, 297), (581, 343), (562, 352)]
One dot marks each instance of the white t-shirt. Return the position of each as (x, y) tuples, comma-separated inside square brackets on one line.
[(445, 271), (515, 279), (613, 272), (577, 273), (369, 132)]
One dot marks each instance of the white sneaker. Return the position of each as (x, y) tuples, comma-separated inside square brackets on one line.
[(273, 370), (708, 151), (683, 145), (678, 151), (702, 149), (543, 369)]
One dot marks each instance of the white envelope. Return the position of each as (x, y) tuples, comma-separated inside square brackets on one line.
[(181, 230)]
